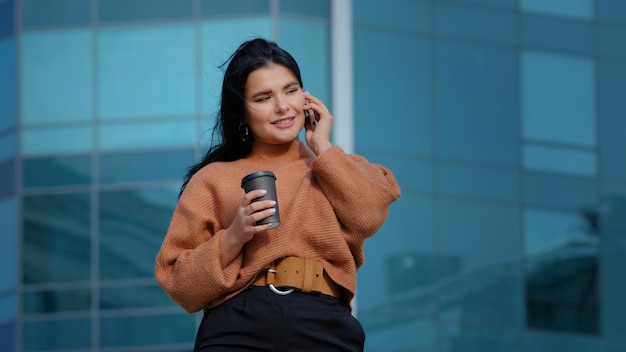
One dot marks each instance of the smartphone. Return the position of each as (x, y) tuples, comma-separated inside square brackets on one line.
[(310, 114)]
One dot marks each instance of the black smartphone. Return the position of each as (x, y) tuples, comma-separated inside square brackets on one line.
[(310, 114)]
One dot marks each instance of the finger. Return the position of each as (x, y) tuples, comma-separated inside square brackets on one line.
[(255, 207), (260, 215), (252, 195)]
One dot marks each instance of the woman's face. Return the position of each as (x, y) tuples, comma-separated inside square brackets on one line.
[(274, 105)]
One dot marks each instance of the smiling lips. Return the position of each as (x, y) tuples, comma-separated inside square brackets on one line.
[(286, 122)]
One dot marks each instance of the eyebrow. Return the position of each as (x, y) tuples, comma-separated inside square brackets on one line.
[(266, 92)]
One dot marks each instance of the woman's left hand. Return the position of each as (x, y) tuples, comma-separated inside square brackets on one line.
[(318, 137)]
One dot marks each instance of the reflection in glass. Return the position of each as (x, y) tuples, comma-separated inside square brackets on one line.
[(56, 140), (578, 9), (560, 160), (7, 178), (134, 64), (57, 243), (56, 76), (111, 11), (558, 100), (48, 301), (56, 171), (7, 146), (8, 73), (38, 13), (132, 226), (57, 335), (562, 271), (144, 166), (147, 330), (144, 135), (8, 246), (134, 297)]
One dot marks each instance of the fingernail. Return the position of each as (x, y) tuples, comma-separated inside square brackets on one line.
[(272, 210), (272, 202), (263, 191)]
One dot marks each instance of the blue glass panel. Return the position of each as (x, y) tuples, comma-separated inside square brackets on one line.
[(235, 7), (562, 271), (56, 171), (547, 232), (7, 147), (610, 42), (303, 7), (612, 124), (8, 309), (7, 337), (132, 10), (146, 166), (56, 140), (57, 76), (611, 11), (559, 191), (153, 330), (134, 297), (46, 13), (309, 43), (411, 16), (412, 174), (473, 181), (401, 268), (147, 71), (7, 22), (132, 226), (472, 338), (558, 97), (49, 301), (612, 227), (560, 160), (395, 333), (9, 248), (149, 134), (480, 243), (476, 94), (554, 33), (476, 23), (508, 4), (7, 178), (220, 39), (393, 115), (549, 342), (56, 335), (579, 9), (8, 87), (57, 241)]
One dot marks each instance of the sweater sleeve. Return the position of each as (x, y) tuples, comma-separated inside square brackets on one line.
[(360, 192), (188, 263)]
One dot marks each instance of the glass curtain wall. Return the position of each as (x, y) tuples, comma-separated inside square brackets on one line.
[(502, 121), (116, 99), (8, 183)]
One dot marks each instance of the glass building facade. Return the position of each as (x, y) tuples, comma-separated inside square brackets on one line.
[(503, 120)]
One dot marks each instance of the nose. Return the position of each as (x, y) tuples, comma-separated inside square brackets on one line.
[(281, 105)]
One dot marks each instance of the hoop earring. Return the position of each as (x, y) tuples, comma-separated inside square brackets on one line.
[(245, 133)]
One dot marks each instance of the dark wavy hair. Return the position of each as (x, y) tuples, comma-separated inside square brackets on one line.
[(227, 142)]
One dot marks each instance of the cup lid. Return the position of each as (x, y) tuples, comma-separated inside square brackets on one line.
[(257, 174)]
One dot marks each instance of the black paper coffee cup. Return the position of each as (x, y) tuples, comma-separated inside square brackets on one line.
[(263, 180)]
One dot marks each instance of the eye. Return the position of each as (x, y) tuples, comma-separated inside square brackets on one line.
[(262, 99), (291, 91)]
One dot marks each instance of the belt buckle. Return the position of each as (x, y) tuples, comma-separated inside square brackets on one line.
[(277, 291)]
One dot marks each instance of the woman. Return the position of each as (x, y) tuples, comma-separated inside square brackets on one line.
[(287, 288)]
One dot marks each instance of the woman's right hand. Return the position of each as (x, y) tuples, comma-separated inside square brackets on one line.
[(244, 227)]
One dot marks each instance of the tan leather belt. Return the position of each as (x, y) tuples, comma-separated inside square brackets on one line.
[(304, 275)]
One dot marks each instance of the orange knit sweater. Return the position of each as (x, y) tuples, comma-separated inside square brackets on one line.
[(328, 206)]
